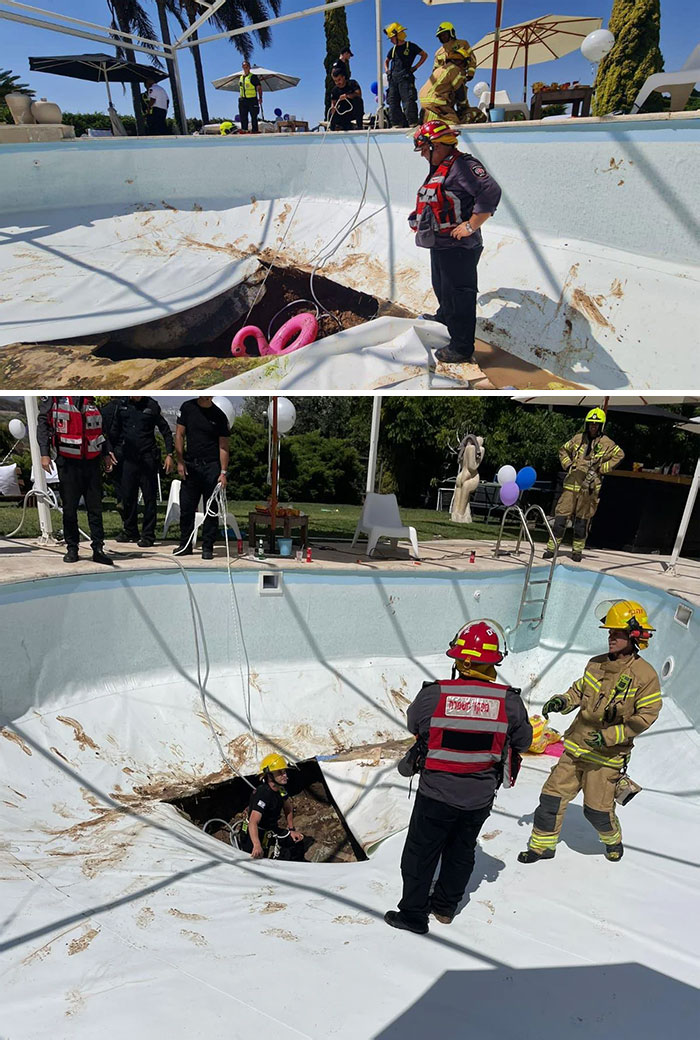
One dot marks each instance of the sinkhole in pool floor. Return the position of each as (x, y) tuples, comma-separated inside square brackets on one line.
[(219, 807)]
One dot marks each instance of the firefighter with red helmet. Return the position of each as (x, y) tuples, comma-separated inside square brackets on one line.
[(456, 198), (470, 731), (72, 427), (617, 698)]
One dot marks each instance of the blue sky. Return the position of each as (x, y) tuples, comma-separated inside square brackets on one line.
[(298, 48)]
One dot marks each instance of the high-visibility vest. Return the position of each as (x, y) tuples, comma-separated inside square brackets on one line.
[(447, 210), (247, 89), (77, 434), (469, 727)]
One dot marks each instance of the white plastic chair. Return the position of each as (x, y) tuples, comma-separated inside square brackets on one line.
[(9, 484), (380, 518), (172, 513), (502, 101), (678, 84)]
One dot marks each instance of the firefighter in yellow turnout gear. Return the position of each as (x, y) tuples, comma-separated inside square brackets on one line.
[(618, 698), (587, 457), (444, 95)]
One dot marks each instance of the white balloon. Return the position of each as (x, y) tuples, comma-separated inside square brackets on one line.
[(480, 88), (597, 44), (286, 414), (17, 429), (226, 406), (506, 475)]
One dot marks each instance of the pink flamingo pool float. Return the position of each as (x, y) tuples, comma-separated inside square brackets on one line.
[(298, 332)]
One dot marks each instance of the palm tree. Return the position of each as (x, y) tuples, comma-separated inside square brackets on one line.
[(234, 14), (10, 84), (130, 16)]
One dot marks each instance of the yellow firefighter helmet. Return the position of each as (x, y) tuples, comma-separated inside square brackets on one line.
[(446, 27), (273, 763), (596, 415), (627, 615), (394, 28)]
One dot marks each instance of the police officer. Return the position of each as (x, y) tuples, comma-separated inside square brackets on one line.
[(586, 458), (72, 427), (617, 697), (261, 834), (201, 465), (250, 99), (473, 730), (133, 437), (400, 70), (456, 198)]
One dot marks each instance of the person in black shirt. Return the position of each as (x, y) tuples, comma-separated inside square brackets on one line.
[(402, 95), (261, 834), (345, 95), (132, 434), (343, 61), (201, 466), (250, 98)]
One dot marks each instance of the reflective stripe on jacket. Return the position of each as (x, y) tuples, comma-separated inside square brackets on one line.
[(77, 434), (586, 469), (438, 210), (468, 729)]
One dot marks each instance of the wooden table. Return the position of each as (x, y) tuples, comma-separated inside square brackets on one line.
[(578, 97), (293, 125), (264, 520)]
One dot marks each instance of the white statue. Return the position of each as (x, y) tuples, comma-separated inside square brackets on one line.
[(470, 455)]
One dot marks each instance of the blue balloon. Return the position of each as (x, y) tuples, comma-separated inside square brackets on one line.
[(525, 478), (278, 113), (374, 87), (286, 115)]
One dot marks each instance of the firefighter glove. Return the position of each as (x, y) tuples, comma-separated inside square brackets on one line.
[(595, 740), (556, 704)]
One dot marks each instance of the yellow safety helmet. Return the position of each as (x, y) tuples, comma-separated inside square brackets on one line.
[(394, 28), (446, 27), (627, 615), (596, 415), (226, 127), (461, 52), (273, 763)]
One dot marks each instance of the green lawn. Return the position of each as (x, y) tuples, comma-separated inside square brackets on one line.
[(325, 521)]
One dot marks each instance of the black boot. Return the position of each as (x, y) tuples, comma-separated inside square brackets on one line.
[(614, 852), (449, 356), (548, 554), (124, 536), (72, 555), (145, 543), (99, 556), (576, 556), (529, 856), (182, 550), (432, 317), (394, 918), (207, 554)]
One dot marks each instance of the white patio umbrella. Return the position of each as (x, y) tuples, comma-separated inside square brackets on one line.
[(530, 43), (269, 80), (601, 400)]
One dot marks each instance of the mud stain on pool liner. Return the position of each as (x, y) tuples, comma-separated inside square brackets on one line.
[(82, 943), (79, 734), (9, 734)]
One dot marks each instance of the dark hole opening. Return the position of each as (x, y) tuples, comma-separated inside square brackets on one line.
[(316, 814)]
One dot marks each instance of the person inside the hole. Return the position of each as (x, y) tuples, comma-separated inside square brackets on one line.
[(261, 834), (471, 730)]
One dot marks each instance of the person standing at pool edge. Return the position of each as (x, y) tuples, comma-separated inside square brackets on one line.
[(473, 730), (618, 697), (201, 465), (456, 198), (250, 98)]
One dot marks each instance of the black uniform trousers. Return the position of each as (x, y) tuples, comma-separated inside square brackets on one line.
[(454, 278), (288, 849), (156, 125), (81, 478), (403, 100), (249, 107), (139, 474), (438, 829), (202, 478)]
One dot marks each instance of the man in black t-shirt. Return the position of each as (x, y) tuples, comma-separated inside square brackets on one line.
[(201, 465), (133, 435), (347, 107), (261, 834), (402, 96)]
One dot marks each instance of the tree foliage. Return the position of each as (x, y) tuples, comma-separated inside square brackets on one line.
[(335, 24), (10, 84), (634, 57)]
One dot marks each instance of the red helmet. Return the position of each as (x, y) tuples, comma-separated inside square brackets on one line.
[(435, 131), (479, 642)]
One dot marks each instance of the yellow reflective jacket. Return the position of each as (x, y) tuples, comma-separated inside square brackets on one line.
[(446, 53), (586, 470), (620, 699), (246, 88)]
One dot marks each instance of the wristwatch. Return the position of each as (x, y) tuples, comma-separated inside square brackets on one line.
[(469, 227)]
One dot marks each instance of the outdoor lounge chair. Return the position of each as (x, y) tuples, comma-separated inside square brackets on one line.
[(380, 518), (502, 101), (678, 84), (172, 514)]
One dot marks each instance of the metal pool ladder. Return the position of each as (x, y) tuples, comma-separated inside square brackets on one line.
[(529, 585)]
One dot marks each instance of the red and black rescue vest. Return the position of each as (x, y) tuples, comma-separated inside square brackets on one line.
[(469, 728), (445, 206), (77, 433)]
